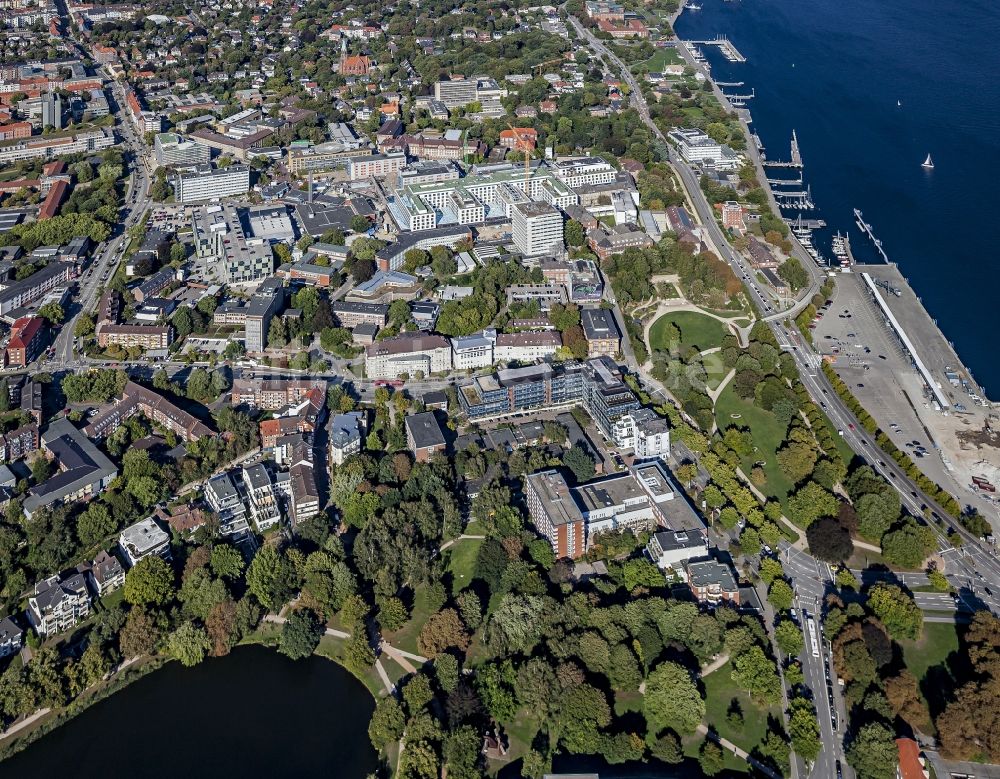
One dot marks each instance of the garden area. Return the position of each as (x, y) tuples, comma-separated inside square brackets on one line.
[(768, 436), (660, 60), (696, 330), (461, 562)]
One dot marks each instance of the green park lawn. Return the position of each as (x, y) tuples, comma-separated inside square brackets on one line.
[(927, 658), (661, 59), (462, 562), (937, 641), (696, 330), (768, 435), (406, 637), (719, 692)]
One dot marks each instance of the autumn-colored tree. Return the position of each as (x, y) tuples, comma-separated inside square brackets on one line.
[(442, 631)]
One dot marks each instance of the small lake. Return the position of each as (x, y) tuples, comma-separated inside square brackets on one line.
[(253, 713)]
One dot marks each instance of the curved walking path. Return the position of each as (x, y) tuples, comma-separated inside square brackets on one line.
[(715, 665), (448, 544), (279, 620), (401, 657), (740, 753), (714, 394)]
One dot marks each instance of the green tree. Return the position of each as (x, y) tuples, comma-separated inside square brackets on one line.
[(52, 312), (579, 462), (150, 581), (811, 502), (710, 758), (780, 595), (84, 326), (574, 233), (277, 333), (301, 633), (877, 512), (95, 524), (909, 545), (446, 671), (271, 577), (387, 723), (392, 613), (188, 644), (803, 728), (359, 224), (226, 562), (672, 700), (872, 752), (789, 638), (756, 673), (200, 593), (897, 611)]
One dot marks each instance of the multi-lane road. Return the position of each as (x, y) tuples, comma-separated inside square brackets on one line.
[(137, 201)]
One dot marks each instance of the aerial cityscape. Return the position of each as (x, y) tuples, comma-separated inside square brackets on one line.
[(435, 389)]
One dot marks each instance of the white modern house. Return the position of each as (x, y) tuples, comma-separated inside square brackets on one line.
[(143, 539)]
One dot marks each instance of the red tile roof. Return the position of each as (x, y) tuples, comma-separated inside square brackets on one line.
[(24, 330)]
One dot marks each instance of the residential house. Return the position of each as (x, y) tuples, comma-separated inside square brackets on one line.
[(671, 549), (11, 637), (224, 499), (27, 339), (259, 485), (555, 514), (83, 470), (601, 332), (424, 436), (58, 604), (346, 431), (712, 582), (144, 539), (104, 573), (408, 353)]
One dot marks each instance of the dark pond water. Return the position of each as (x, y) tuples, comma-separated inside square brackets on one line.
[(254, 713)]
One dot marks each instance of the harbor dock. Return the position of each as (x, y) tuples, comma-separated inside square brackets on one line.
[(729, 51), (867, 230)]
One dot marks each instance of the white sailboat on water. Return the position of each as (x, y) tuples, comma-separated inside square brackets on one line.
[(928, 163)]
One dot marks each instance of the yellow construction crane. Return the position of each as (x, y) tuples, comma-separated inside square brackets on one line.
[(524, 145), (538, 68)]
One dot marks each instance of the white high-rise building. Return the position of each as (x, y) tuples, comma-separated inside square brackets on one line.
[(537, 228), (174, 150), (457, 92), (206, 183)]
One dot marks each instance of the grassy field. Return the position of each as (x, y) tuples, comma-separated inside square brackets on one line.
[(768, 435), (719, 692), (462, 562), (661, 59), (406, 636), (696, 330), (927, 659), (939, 640)]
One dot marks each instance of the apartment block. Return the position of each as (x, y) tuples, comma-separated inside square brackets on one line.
[(206, 183), (174, 151), (406, 354), (555, 514)]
